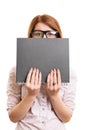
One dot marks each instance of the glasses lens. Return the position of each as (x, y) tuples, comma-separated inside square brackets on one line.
[(37, 34), (51, 34)]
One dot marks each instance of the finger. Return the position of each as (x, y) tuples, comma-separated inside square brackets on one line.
[(29, 76), (36, 76), (33, 76), (58, 77), (40, 78), (51, 78), (48, 80), (54, 77)]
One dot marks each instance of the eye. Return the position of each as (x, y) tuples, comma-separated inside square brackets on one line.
[(37, 34)]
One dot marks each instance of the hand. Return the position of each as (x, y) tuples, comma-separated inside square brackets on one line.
[(53, 82), (33, 81)]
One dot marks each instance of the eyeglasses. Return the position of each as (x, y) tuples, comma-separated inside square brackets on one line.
[(40, 34)]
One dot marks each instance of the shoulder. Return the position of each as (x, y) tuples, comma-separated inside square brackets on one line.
[(12, 77), (70, 87), (13, 70), (72, 78), (12, 85), (73, 75), (12, 73)]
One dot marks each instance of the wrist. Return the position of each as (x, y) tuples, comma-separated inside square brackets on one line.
[(55, 96), (30, 97)]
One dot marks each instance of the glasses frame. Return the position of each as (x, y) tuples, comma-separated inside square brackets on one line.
[(45, 33)]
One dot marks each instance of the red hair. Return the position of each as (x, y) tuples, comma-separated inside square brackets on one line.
[(46, 19)]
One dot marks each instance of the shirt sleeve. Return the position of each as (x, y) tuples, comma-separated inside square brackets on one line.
[(13, 91), (70, 91)]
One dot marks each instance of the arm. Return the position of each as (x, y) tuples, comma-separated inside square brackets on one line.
[(33, 83), (62, 111), (19, 111)]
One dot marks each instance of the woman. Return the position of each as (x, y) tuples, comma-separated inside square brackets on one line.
[(32, 106)]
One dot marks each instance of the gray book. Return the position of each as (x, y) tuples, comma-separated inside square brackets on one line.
[(44, 54)]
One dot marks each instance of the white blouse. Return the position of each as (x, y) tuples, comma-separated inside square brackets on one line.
[(41, 115)]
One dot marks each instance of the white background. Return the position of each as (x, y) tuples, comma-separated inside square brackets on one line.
[(15, 16)]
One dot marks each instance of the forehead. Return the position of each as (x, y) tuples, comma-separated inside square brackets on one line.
[(42, 26)]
